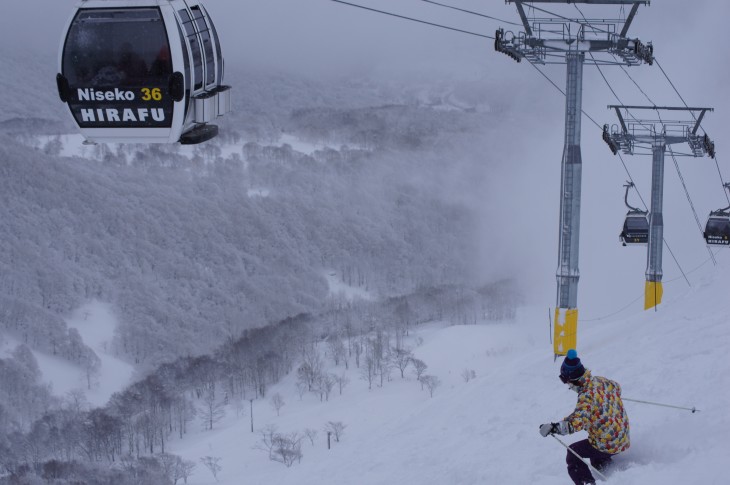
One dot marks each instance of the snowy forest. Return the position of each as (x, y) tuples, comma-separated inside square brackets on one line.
[(216, 263)]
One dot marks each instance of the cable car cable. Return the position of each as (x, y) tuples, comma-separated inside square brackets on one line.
[(717, 163), (473, 13), (614, 313), (413, 19), (563, 93), (642, 295), (691, 204), (623, 68), (614, 91)]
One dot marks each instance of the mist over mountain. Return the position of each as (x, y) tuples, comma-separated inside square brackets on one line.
[(192, 250)]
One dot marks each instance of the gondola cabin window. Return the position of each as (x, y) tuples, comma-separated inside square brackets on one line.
[(118, 65)]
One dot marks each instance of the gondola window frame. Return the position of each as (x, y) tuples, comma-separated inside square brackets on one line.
[(196, 50), (209, 53), (216, 39), (187, 71)]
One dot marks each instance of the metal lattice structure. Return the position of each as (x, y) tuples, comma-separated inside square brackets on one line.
[(556, 39), (633, 134)]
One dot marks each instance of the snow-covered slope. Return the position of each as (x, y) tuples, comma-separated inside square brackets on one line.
[(485, 431), (96, 324)]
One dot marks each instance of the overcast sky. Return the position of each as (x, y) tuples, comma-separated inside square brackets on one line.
[(318, 34), (321, 37)]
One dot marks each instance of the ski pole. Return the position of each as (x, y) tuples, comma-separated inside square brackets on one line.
[(584, 460), (693, 409)]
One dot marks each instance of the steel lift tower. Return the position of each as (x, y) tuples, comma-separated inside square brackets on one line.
[(655, 135), (558, 40)]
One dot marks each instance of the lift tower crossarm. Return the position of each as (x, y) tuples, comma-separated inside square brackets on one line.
[(587, 2), (537, 45), (521, 11), (648, 131), (629, 19)]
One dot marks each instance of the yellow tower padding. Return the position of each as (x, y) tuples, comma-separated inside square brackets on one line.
[(653, 292), (566, 330)]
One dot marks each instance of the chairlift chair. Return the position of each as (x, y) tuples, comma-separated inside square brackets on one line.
[(143, 71)]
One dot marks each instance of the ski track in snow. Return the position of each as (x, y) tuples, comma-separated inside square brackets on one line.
[(485, 431)]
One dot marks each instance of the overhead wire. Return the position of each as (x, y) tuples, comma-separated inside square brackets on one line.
[(413, 19), (642, 295), (471, 12), (691, 204), (717, 163)]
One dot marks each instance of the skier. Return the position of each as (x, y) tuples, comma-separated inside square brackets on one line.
[(599, 411)]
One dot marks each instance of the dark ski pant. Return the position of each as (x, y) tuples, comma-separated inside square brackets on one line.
[(579, 471)]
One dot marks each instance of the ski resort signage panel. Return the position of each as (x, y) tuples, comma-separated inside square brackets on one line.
[(134, 107)]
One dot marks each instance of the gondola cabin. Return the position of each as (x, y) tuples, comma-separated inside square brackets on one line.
[(636, 229), (143, 71), (717, 229)]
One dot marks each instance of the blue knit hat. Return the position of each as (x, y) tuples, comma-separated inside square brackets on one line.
[(572, 368)]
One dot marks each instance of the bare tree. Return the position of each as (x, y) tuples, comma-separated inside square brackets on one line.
[(212, 410), (239, 405), (277, 402), (468, 374), (171, 466), (337, 348), (368, 370), (266, 443), (383, 370), (284, 448), (431, 383), (311, 434), (401, 358), (357, 348), (212, 463), (186, 468), (324, 385), (301, 389), (342, 381), (336, 428), (287, 448), (419, 367), (311, 367)]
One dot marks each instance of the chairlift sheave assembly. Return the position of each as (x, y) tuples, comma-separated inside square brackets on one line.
[(717, 229), (636, 224), (143, 71)]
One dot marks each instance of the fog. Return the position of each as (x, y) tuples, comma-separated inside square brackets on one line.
[(321, 38)]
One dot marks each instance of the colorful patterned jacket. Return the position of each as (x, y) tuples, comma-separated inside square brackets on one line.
[(601, 413)]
